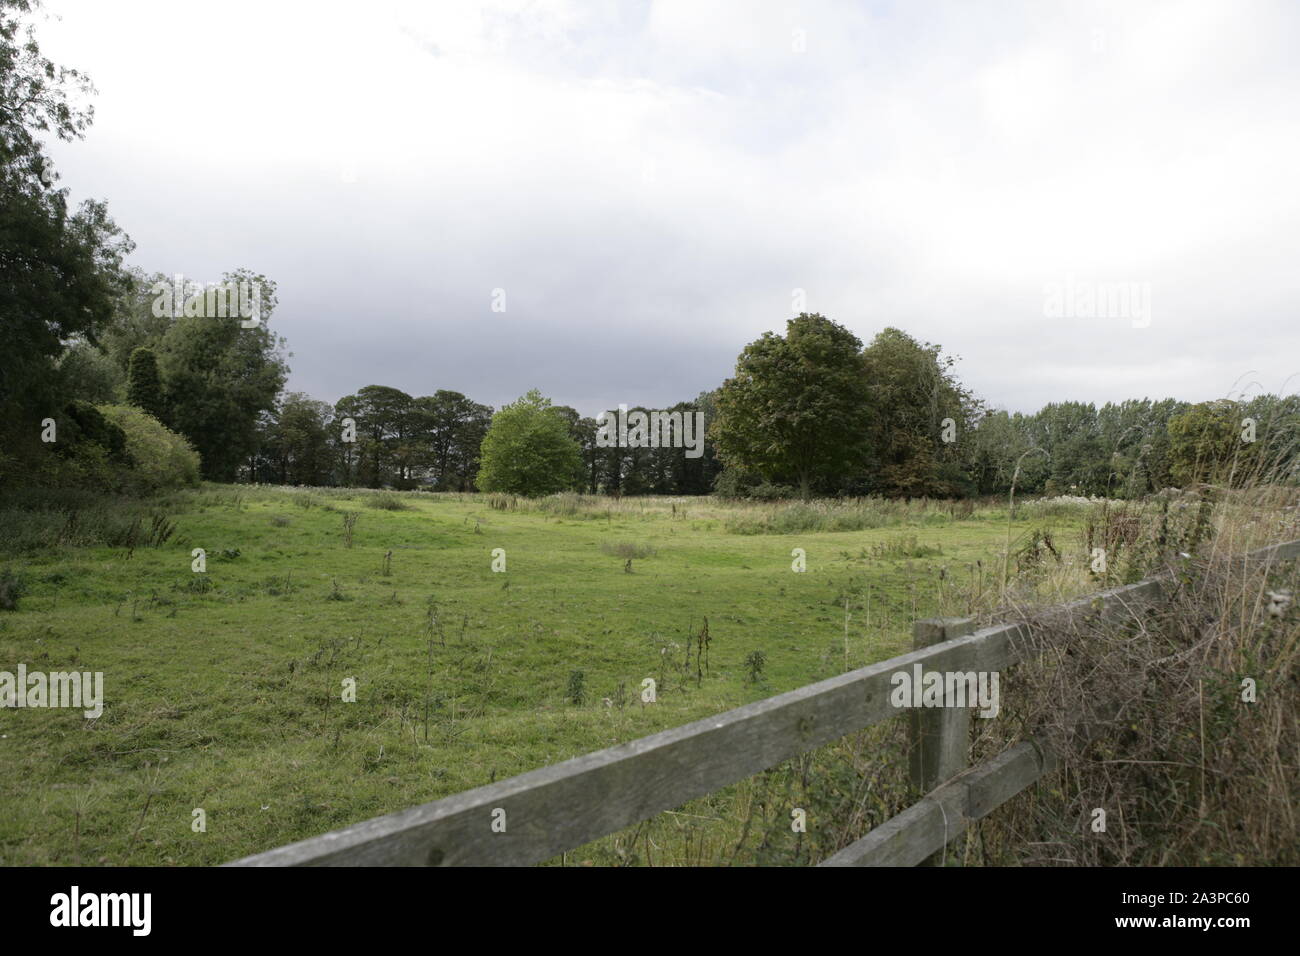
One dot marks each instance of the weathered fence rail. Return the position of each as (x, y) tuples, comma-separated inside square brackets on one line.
[(565, 805)]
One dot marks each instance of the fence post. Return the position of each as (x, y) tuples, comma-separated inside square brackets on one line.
[(940, 737)]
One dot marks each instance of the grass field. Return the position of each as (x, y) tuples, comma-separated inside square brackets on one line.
[(223, 690)]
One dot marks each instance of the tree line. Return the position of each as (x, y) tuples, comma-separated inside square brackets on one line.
[(814, 411), (810, 412), (384, 437)]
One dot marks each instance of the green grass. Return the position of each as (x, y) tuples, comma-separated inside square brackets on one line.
[(226, 695)]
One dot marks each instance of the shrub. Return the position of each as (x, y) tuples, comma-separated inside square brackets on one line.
[(160, 458), (734, 483), (739, 483), (768, 491), (89, 453), (87, 423)]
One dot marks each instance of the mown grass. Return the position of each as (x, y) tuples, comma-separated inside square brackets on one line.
[(223, 690)]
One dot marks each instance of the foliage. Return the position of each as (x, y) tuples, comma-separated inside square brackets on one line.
[(403, 441), (296, 442), (88, 373), (143, 385), (160, 458), (86, 424), (797, 406), (453, 426), (1220, 441), (60, 270), (218, 379), (913, 394), (528, 450)]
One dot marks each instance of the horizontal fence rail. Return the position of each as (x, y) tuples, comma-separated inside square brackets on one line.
[(563, 806), (928, 825)]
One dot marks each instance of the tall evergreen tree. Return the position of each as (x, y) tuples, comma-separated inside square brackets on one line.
[(143, 384)]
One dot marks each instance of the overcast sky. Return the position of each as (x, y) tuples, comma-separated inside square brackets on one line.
[(651, 182)]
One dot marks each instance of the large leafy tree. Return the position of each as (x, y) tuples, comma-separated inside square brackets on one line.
[(695, 476), (471, 429), (87, 373), (1079, 457), (295, 446), (528, 450), (1207, 444), (219, 378), (624, 469), (592, 455), (797, 407), (916, 401), (385, 427), (997, 445), (60, 271), (136, 322), (455, 429)]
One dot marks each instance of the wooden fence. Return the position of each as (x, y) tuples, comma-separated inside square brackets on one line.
[(566, 805)]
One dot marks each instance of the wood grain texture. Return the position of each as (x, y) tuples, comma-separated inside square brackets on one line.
[(920, 832), (939, 737)]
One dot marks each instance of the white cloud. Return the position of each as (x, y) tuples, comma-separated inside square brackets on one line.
[(649, 182)]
